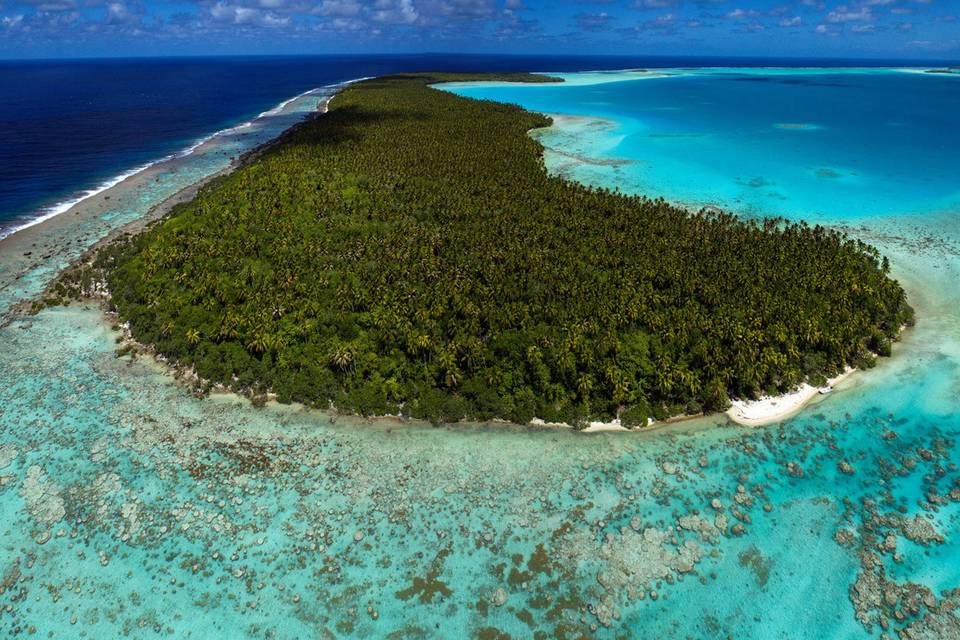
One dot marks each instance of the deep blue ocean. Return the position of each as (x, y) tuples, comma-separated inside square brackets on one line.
[(67, 127)]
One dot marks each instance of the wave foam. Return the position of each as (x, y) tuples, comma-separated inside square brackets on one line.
[(66, 205)]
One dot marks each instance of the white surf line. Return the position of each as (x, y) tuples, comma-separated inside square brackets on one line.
[(62, 207), (66, 205)]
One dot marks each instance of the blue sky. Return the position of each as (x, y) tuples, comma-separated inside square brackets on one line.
[(902, 29)]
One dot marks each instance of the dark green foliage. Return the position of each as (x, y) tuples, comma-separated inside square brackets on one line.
[(636, 416), (409, 250)]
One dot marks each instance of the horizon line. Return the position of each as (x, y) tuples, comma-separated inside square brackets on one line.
[(944, 61)]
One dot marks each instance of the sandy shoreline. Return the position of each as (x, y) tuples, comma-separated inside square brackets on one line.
[(772, 409), (48, 247), (753, 413), (29, 247)]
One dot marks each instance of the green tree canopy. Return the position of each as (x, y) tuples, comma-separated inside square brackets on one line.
[(408, 249)]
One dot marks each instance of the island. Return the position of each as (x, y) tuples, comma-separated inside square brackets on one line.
[(407, 253)]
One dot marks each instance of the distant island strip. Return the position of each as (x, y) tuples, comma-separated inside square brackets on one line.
[(407, 253)]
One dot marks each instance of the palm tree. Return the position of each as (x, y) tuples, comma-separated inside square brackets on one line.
[(341, 357)]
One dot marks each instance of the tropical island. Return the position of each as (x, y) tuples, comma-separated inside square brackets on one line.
[(407, 252)]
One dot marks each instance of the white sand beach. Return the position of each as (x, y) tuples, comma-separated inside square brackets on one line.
[(772, 409)]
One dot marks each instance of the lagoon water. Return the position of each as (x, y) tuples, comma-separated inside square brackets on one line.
[(128, 507), (817, 144)]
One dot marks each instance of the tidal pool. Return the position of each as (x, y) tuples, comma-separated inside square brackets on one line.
[(129, 507)]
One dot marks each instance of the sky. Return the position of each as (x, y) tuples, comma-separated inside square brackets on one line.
[(893, 29)]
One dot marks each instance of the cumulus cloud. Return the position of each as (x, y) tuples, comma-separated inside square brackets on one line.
[(339, 8), (844, 14), (470, 24), (246, 16), (653, 4), (395, 12), (118, 13)]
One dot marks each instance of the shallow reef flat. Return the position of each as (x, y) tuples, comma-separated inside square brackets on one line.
[(129, 508)]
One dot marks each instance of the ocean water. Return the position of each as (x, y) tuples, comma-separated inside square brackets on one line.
[(817, 144), (71, 127), (22, 276), (129, 507)]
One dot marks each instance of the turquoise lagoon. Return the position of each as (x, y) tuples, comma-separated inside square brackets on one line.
[(130, 508), (817, 144)]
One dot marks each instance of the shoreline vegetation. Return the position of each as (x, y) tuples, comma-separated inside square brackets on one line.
[(74, 234), (407, 254)]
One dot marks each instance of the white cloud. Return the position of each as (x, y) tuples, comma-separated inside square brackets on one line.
[(399, 12), (119, 13), (241, 15), (347, 24), (12, 22), (844, 14), (653, 4), (339, 8)]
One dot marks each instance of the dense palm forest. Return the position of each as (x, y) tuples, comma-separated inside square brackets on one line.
[(408, 251)]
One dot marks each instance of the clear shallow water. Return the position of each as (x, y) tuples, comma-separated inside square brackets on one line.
[(207, 517), (819, 144), (129, 507)]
